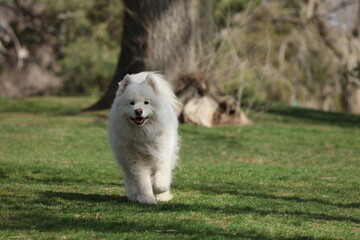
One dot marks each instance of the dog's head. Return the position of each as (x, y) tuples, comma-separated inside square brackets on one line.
[(137, 100)]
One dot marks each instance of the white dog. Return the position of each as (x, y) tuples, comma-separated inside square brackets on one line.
[(143, 135)]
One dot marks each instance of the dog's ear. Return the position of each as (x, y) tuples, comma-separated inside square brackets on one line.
[(150, 80), (124, 83)]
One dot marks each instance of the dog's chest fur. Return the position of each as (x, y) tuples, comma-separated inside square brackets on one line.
[(146, 151)]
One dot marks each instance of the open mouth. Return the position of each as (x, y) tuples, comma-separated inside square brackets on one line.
[(139, 120)]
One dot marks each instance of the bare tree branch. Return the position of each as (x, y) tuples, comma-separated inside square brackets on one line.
[(342, 5)]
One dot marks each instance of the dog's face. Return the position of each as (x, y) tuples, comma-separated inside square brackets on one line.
[(137, 101), (138, 109)]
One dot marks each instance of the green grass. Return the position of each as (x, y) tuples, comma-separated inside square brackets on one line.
[(295, 174)]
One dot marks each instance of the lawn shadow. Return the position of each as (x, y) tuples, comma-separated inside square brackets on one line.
[(89, 197), (258, 192), (238, 210), (229, 210), (37, 107), (105, 223), (3, 174), (59, 180), (49, 223), (319, 117), (58, 106)]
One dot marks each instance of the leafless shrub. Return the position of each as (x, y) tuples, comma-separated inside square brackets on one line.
[(274, 52)]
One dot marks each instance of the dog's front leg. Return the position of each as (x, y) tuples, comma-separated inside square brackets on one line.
[(139, 183), (162, 179), (161, 183)]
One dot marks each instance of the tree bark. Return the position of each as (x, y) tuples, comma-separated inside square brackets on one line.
[(159, 36), (156, 37)]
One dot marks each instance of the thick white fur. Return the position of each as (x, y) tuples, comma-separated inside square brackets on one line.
[(147, 153)]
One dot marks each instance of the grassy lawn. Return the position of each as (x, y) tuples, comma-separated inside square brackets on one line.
[(295, 174)]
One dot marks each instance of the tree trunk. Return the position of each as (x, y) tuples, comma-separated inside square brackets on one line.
[(156, 37), (159, 36)]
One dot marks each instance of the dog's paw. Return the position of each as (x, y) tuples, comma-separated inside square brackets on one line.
[(161, 182), (132, 198), (160, 185), (160, 189), (146, 199), (164, 197)]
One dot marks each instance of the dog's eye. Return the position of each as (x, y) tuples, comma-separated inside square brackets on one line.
[(146, 102), (132, 103)]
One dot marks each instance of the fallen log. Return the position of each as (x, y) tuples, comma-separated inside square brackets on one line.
[(204, 105)]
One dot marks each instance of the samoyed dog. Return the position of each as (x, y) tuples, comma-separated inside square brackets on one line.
[(143, 135)]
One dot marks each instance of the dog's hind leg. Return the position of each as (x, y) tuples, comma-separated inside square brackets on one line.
[(130, 189)]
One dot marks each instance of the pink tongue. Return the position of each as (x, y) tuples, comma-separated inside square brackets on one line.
[(139, 120)]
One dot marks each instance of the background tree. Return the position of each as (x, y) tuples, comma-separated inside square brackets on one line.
[(255, 52), (58, 47), (156, 37), (159, 36), (345, 46)]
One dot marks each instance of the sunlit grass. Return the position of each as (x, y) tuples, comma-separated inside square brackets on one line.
[(295, 174)]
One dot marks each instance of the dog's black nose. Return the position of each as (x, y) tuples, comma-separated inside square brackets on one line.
[(138, 111)]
